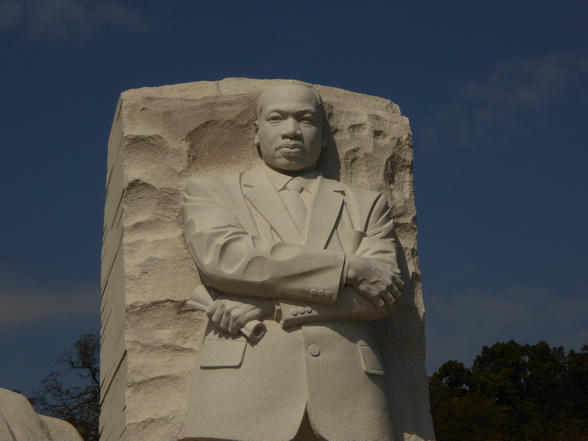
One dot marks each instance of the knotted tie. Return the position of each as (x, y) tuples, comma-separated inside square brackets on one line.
[(295, 204)]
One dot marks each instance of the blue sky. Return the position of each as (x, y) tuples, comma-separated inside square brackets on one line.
[(496, 93)]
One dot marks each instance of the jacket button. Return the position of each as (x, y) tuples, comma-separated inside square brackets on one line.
[(294, 312), (314, 350), (308, 309), (328, 294), (313, 292), (321, 293), (301, 310)]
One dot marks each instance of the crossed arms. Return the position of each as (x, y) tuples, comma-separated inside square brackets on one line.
[(257, 274)]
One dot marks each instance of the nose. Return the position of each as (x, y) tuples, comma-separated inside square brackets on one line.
[(290, 129)]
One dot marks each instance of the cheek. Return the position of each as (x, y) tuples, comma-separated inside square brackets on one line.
[(311, 133), (269, 134)]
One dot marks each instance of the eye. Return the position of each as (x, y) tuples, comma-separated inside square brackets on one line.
[(275, 117), (308, 119)]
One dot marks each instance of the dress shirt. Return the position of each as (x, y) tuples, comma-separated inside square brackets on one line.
[(280, 182)]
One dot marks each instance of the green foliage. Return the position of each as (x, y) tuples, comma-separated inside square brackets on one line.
[(513, 392), (79, 403)]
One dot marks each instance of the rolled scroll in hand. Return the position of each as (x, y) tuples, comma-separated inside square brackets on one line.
[(201, 299)]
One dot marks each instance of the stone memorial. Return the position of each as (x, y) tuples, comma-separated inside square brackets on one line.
[(20, 422), (260, 278)]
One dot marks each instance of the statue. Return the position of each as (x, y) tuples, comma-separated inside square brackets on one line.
[(312, 261), (20, 422)]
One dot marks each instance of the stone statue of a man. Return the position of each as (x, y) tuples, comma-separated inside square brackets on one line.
[(315, 261)]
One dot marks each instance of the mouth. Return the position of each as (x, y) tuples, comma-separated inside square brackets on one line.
[(291, 149)]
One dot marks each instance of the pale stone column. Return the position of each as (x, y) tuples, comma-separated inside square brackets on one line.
[(150, 338)]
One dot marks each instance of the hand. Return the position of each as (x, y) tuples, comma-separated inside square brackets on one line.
[(231, 314), (375, 281)]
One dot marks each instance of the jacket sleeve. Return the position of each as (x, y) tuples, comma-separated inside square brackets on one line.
[(378, 242), (350, 306), (234, 261)]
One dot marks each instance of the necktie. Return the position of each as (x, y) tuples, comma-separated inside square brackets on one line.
[(295, 204)]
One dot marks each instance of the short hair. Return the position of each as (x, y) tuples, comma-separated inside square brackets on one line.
[(261, 97)]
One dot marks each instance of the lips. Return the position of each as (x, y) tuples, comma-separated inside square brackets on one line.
[(291, 148)]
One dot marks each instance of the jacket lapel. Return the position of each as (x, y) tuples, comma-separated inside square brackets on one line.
[(258, 189), (325, 212)]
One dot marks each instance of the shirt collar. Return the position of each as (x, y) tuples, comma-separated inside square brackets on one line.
[(279, 180)]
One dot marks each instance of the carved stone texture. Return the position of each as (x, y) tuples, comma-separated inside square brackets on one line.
[(20, 422), (151, 338)]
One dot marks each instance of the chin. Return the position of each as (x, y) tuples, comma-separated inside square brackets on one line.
[(291, 167)]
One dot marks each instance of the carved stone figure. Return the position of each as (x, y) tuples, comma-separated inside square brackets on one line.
[(20, 422), (311, 258), (158, 382)]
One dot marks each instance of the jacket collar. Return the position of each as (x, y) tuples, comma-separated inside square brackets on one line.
[(324, 213)]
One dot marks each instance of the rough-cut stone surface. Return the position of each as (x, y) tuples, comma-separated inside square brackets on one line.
[(150, 338), (20, 422)]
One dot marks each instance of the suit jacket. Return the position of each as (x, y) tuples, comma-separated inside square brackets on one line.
[(319, 354)]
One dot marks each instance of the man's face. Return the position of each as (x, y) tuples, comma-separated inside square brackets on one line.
[(289, 131)]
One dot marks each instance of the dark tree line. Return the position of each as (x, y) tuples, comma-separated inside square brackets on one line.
[(513, 392), (74, 395)]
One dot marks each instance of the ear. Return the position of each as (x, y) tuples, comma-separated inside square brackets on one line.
[(256, 136)]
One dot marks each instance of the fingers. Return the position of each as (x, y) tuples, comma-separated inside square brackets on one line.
[(398, 282), (394, 289), (215, 311), (393, 281), (382, 288), (231, 316), (225, 321), (386, 303), (389, 300), (224, 317), (235, 322), (373, 296)]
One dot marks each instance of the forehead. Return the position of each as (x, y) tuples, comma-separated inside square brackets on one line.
[(289, 96)]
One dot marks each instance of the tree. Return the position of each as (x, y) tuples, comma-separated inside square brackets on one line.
[(513, 392), (458, 413), (78, 402)]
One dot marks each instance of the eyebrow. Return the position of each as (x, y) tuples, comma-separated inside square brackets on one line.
[(297, 112)]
